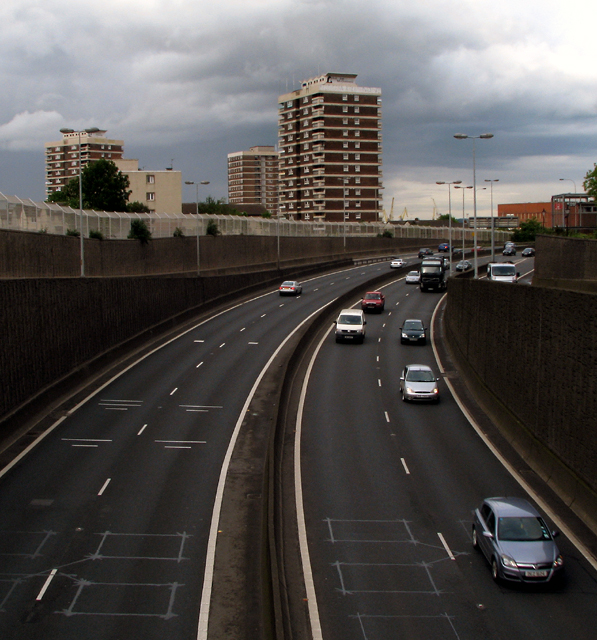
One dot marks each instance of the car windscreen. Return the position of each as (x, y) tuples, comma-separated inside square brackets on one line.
[(525, 529), (373, 296), (418, 375), (504, 270), (413, 326), (349, 319), (431, 269), (288, 284)]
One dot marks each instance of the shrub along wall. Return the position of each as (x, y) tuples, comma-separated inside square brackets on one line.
[(535, 350)]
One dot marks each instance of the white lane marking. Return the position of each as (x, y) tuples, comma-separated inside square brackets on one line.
[(315, 289), (404, 465), (396, 304), (263, 315), (253, 343), (242, 329), (383, 325), (85, 445), (183, 441), (106, 483), (377, 358), (582, 548), (223, 343), (116, 408), (112, 403), (202, 627), (197, 367), (379, 340), (202, 406), (121, 401), (142, 429), (378, 382), (174, 391), (85, 440), (40, 595), (446, 547), (198, 340), (168, 446), (387, 416)]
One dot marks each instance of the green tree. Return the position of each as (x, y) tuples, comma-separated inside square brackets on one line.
[(590, 182), (140, 231), (105, 188), (527, 231), (137, 207), (212, 228), (446, 217)]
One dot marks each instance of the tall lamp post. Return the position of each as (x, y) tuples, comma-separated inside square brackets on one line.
[(484, 136), (450, 215), (492, 220), (197, 214), (82, 246), (570, 180), (463, 192)]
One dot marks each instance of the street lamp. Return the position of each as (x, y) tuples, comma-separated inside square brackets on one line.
[(484, 136), (82, 249), (450, 215), (197, 213), (463, 192), (492, 220), (570, 180)]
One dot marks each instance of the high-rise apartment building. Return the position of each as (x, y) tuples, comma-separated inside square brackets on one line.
[(253, 178), (330, 145), (62, 157)]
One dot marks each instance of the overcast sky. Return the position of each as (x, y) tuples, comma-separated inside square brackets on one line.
[(185, 83)]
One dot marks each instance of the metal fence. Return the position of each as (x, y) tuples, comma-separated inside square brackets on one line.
[(45, 217)]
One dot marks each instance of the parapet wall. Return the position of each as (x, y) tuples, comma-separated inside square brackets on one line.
[(566, 263), (533, 349)]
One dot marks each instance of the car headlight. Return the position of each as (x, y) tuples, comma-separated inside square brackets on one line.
[(558, 562), (422, 335), (405, 335), (409, 390), (507, 561), (436, 390)]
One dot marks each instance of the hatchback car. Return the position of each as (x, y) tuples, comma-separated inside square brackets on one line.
[(516, 541), (397, 263), (413, 331), (464, 265), (412, 277), (290, 288), (350, 326), (444, 246), (510, 250), (418, 382), (425, 252), (528, 252), (373, 301)]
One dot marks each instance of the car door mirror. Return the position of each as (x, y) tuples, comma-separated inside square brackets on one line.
[(555, 534), (488, 534)]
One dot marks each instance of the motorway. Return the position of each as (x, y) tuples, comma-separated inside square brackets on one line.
[(388, 490), (107, 523)]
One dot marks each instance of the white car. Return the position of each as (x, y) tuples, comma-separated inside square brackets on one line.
[(350, 326), (397, 263), (290, 288), (412, 277)]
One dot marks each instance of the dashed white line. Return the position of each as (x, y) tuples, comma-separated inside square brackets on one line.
[(198, 340), (243, 329), (174, 391), (378, 382), (197, 367), (182, 441), (263, 315), (446, 547), (40, 595), (404, 465), (142, 429), (253, 343), (223, 343), (106, 483), (387, 416)]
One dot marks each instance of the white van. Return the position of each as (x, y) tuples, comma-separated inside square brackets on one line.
[(350, 326), (502, 272)]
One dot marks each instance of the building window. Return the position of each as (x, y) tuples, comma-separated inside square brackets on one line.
[(344, 120), (345, 109), (357, 121), (356, 98), (150, 196), (357, 156), (357, 109), (345, 97), (346, 168), (357, 145), (357, 192), (345, 156), (345, 133), (306, 135), (357, 134), (305, 99), (357, 203), (345, 145), (150, 179), (357, 181), (358, 168)]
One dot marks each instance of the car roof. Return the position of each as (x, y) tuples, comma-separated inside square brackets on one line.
[(373, 292), (512, 507), (418, 367), (357, 312), (414, 320)]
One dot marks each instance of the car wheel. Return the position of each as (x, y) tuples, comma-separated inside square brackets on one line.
[(404, 398), (495, 574), (475, 541)]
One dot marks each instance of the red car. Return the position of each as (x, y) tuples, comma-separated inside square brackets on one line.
[(373, 301)]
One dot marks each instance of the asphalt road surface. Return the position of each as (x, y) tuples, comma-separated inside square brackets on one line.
[(388, 490)]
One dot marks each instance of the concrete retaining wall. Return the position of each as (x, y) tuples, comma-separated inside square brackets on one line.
[(566, 263), (533, 349)]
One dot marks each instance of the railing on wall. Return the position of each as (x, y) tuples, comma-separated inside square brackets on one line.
[(45, 217)]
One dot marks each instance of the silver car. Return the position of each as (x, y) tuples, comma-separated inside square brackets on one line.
[(516, 541), (418, 382), (412, 277)]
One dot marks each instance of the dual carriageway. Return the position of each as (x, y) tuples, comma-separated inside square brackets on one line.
[(112, 525)]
